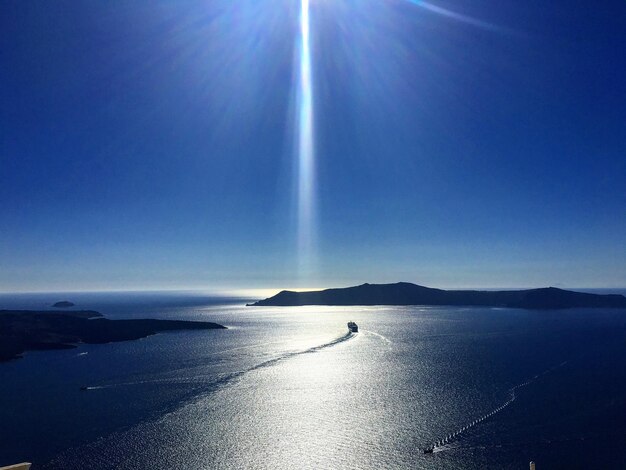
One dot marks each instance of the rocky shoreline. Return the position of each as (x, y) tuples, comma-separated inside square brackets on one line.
[(29, 330)]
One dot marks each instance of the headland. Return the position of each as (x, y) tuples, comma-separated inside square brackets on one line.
[(28, 330), (405, 293)]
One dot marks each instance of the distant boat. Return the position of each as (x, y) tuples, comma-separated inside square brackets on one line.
[(83, 388), (353, 327), (429, 450)]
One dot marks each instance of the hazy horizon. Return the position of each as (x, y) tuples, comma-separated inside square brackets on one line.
[(263, 292)]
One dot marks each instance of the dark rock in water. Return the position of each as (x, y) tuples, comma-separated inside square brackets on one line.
[(404, 293), (64, 304), (26, 330)]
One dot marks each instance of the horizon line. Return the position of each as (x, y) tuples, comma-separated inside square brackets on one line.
[(234, 292)]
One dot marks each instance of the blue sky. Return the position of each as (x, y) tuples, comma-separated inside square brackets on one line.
[(152, 145)]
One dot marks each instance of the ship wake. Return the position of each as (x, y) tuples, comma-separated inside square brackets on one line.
[(443, 444), (292, 354), (379, 336), (224, 379)]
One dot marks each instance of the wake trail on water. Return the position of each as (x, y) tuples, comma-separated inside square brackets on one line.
[(228, 377), (384, 338), (252, 346), (442, 444), (195, 378), (100, 449), (289, 355)]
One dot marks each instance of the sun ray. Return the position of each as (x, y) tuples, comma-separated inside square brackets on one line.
[(306, 150)]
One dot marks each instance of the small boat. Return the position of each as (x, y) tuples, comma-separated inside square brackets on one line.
[(83, 388), (429, 450), (353, 327)]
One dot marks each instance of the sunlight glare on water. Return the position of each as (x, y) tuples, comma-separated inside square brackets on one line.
[(290, 388)]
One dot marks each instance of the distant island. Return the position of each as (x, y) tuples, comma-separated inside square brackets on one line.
[(64, 304), (404, 293), (27, 330)]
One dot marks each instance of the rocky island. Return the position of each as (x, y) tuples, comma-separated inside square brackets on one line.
[(404, 293), (27, 330)]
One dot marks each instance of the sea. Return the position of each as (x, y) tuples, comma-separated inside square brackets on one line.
[(291, 388)]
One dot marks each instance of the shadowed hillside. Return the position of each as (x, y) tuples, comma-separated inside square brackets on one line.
[(404, 293), (25, 330)]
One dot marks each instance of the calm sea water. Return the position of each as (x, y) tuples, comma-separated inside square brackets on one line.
[(288, 388)]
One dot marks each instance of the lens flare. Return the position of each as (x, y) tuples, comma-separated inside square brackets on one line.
[(455, 16), (306, 150), (304, 128)]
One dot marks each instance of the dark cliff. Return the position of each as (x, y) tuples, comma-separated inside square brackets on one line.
[(404, 293), (24, 330)]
